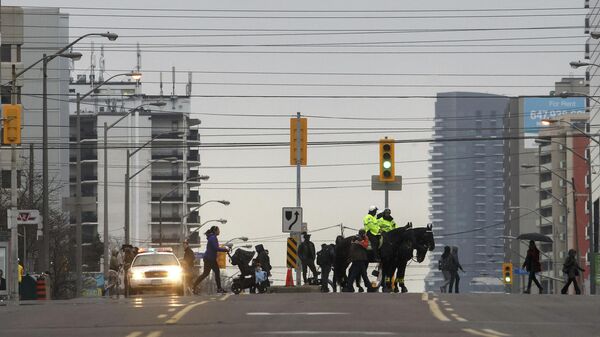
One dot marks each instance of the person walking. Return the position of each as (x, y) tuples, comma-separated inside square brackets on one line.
[(358, 257), (325, 258), (188, 264), (571, 268), (371, 226), (443, 265), (210, 259), (532, 265), (262, 257), (453, 267), (307, 255)]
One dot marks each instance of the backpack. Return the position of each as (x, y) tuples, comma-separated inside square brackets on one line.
[(321, 257)]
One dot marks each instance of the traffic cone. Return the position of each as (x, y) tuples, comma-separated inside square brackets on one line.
[(289, 281)]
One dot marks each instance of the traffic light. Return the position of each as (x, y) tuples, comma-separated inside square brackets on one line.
[(11, 114), (294, 140), (507, 273), (387, 172)]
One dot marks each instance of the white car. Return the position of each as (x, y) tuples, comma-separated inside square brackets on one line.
[(155, 271)]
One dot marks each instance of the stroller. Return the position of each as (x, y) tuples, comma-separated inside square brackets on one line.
[(248, 277)]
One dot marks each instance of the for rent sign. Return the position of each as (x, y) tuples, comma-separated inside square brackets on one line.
[(536, 109)]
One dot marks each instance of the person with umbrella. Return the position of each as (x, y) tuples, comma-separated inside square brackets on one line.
[(532, 265)]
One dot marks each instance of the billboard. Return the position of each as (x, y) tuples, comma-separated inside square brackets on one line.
[(536, 109)]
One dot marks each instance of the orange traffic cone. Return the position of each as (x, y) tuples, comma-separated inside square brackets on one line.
[(289, 281)]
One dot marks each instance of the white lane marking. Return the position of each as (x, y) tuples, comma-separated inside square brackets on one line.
[(171, 310), (437, 313), (161, 316), (134, 334), (458, 318), (155, 334), (225, 297), (496, 332), (326, 333), (295, 313), (479, 333), (448, 309), (183, 312)]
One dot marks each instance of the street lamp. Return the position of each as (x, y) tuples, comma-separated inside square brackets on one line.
[(128, 177), (78, 227), (242, 238), (106, 128), (160, 200), (577, 64)]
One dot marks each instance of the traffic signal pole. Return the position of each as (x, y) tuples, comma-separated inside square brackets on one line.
[(14, 230), (298, 189)]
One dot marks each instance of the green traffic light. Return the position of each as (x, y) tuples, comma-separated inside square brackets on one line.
[(387, 164)]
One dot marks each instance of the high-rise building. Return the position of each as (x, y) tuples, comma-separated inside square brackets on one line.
[(164, 163), (467, 197), (532, 196)]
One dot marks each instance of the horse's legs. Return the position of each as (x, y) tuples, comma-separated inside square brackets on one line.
[(388, 272), (400, 275)]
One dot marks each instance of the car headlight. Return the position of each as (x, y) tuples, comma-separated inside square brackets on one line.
[(175, 274), (137, 275)]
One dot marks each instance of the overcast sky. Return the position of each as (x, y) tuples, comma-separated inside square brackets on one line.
[(538, 44)]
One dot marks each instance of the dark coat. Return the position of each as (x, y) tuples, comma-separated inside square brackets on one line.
[(532, 261), (306, 251), (212, 247), (189, 258), (571, 267), (263, 258), (452, 263), (326, 256), (358, 250)]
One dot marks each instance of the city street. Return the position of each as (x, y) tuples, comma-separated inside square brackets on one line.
[(491, 315)]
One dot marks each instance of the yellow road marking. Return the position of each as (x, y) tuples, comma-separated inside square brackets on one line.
[(162, 316), (436, 312), (183, 312), (155, 334), (225, 297), (479, 333), (496, 332), (134, 334)]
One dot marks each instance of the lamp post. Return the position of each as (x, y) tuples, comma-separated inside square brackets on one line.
[(78, 227), (106, 128), (45, 263), (128, 177), (160, 200), (222, 202), (594, 232)]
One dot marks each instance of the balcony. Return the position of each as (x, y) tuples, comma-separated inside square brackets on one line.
[(166, 220), (176, 178), (85, 177), (157, 156)]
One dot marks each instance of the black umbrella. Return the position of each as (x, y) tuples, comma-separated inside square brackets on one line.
[(534, 237)]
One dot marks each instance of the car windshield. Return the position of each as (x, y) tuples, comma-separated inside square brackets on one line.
[(155, 260)]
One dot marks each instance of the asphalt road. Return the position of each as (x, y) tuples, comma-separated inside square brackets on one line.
[(309, 314)]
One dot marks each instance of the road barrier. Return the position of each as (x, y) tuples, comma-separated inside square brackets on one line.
[(40, 289)]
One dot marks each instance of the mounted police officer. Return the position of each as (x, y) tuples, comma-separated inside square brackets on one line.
[(386, 221), (371, 226)]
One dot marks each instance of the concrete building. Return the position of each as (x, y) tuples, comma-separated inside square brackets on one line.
[(467, 187), (528, 185), (167, 161), (27, 34)]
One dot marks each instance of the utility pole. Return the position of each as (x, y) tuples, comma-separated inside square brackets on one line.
[(78, 229), (14, 228), (298, 196), (45, 193), (594, 234), (105, 222)]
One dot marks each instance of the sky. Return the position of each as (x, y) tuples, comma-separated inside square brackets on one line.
[(378, 65)]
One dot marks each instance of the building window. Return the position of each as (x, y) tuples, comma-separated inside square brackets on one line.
[(5, 53), (18, 53), (174, 125)]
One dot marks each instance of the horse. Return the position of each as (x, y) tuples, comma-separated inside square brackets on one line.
[(395, 251)]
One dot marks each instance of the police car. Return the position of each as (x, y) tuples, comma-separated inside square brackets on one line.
[(155, 269)]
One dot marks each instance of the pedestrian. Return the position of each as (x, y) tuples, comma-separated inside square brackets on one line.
[(371, 226), (443, 266), (307, 255), (532, 265), (210, 259), (571, 268), (2, 280), (188, 264), (453, 267), (325, 259), (358, 257), (263, 259)]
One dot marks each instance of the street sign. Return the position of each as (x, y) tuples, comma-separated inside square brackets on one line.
[(377, 185), (291, 219), (25, 217), (292, 253)]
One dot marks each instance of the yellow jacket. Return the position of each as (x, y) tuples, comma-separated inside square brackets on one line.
[(386, 225), (371, 224)]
